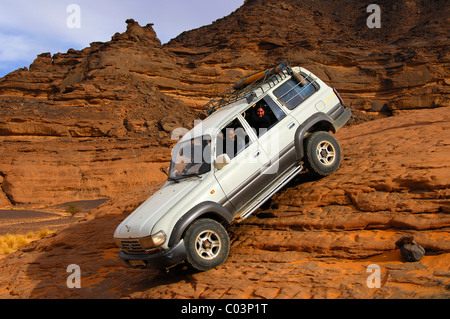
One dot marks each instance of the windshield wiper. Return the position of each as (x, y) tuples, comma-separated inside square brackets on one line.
[(173, 179), (168, 177), (184, 177)]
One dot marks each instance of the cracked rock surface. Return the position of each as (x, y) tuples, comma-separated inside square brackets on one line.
[(315, 239)]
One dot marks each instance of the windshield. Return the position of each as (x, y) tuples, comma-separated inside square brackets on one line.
[(191, 158)]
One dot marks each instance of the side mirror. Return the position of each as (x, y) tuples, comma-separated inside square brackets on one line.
[(222, 160)]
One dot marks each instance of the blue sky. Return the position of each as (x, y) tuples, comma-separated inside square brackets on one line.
[(31, 27)]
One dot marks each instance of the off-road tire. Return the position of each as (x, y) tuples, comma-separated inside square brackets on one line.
[(322, 154), (207, 244)]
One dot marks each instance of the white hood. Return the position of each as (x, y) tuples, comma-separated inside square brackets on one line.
[(140, 222)]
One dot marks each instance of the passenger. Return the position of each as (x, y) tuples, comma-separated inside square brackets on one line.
[(230, 142), (240, 139), (261, 120), (234, 141)]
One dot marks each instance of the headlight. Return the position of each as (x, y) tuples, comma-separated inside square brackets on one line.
[(153, 241)]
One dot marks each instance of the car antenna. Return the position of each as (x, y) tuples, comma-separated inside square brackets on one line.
[(142, 172)]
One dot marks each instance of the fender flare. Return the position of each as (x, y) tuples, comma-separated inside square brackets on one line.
[(305, 126), (207, 208)]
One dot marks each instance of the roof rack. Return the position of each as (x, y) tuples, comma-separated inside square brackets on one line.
[(247, 85)]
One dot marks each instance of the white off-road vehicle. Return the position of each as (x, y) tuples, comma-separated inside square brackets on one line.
[(258, 135)]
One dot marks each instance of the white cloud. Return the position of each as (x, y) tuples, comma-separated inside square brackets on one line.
[(13, 47), (18, 51), (30, 27)]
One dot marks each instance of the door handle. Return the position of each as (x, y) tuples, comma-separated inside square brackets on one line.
[(291, 125), (256, 154)]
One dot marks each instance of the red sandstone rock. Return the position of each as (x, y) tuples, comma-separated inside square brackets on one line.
[(133, 86), (315, 239), (72, 125)]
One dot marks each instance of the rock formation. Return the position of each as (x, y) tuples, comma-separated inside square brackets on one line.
[(74, 125), (100, 123), (133, 87), (402, 65), (315, 239)]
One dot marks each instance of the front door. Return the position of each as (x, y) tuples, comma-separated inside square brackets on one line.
[(240, 179)]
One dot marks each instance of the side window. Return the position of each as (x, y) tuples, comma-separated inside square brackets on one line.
[(294, 92), (232, 139), (263, 115)]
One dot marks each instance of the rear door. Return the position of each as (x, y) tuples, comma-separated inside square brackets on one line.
[(277, 140)]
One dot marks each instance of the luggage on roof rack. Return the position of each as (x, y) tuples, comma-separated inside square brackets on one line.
[(244, 87)]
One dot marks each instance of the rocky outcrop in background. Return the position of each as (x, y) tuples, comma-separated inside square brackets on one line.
[(402, 65), (133, 87), (73, 125)]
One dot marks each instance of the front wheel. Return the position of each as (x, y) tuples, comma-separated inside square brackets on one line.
[(207, 244), (323, 153)]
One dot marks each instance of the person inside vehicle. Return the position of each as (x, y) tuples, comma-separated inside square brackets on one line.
[(234, 141), (260, 120)]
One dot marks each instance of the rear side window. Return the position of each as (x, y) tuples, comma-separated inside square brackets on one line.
[(293, 93), (263, 115)]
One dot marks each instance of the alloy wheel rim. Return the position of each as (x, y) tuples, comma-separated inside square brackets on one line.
[(326, 153), (208, 244)]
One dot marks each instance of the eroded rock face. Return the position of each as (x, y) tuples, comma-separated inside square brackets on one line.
[(133, 87), (49, 170), (74, 125), (402, 65), (133, 84), (316, 238)]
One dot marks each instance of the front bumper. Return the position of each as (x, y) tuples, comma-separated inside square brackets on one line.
[(160, 260)]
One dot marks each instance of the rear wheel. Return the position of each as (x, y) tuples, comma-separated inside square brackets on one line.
[(323, 153), (207, 244)]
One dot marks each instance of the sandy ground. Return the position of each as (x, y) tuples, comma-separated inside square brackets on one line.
[(22, 220)]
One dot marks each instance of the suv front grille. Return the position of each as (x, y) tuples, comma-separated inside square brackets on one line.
[(132, 246)]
